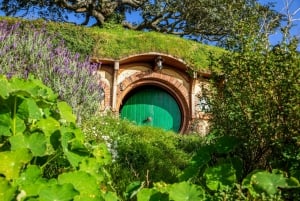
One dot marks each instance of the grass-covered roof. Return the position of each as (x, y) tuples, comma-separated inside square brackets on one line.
[(115, 42)]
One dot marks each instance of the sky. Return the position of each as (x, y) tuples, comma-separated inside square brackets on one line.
[(294, 9), (279, 5)]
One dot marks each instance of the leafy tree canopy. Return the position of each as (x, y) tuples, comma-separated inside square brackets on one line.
[(203, 19)]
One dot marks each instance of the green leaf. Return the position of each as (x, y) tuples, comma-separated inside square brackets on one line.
[(5, 88), (19, 125), (220, 177), (110, 196), (23, 88), (58, 192), (28, 109), (133, 188), (147, 194), (65, 112), (31, 181), (44, 91), (78, 134), (32, 88), (263, 182), (5, 123), (13, 161), (83, 182), (18, 142), (66, 142), (48, 125), (7, 192), (9, 125), (202, 157), (185, 191), (36, 142), (91, 166)]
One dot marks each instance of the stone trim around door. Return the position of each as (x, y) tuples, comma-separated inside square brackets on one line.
[(166, 82)]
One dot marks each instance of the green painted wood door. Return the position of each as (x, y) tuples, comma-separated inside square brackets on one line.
[(152, 106)]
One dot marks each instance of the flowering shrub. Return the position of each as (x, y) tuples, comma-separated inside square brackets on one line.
[(25, 50)]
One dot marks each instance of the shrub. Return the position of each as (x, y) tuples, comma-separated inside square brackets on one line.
[(26, 50), (142, 153)]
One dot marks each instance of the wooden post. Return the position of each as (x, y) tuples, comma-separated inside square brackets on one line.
[(115, 84)]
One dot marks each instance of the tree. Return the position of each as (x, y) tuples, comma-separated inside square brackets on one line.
[(259, 102), (204, 19)]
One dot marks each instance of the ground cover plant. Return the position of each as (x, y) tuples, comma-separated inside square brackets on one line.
[(28, 50)]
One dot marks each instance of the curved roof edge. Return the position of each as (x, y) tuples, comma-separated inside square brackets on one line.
[(151, 57)]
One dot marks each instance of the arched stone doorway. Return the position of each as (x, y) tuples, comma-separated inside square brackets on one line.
[(164, 82)]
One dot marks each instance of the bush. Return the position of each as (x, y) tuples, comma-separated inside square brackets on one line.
[(28, 50), (142, 153)]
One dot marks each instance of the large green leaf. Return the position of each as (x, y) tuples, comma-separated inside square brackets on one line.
[(13, 161), (31, 181), (32, 88), (78, 134), (58, 192), (28, 109), (48, 125), (36, 142), (18, 125), (7, 192), (263, 182), (147, 194), (133, 188), (23, 88), (65, 112), (220, 177), (5, 88), (91, 166), (110, 196), (5, 123), (185, 191), (44, 91), (202, 157), (83, 182), (74, 158)]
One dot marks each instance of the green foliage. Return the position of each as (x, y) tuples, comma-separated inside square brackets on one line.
[(37, 130), (257, 102), (265, 183), (220, 177), (143, 154)]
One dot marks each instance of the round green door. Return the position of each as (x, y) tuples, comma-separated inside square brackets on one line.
[(152, 106)]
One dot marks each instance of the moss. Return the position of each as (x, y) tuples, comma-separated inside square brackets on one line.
[(115, 42)]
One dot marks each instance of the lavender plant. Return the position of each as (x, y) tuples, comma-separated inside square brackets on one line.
[(27, 50)]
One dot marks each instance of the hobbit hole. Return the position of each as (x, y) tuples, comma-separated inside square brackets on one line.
[(155, 89)]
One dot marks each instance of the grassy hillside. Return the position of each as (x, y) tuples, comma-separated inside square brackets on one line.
[(115, 42)]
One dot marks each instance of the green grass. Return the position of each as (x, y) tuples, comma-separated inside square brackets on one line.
[(115, 42)]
